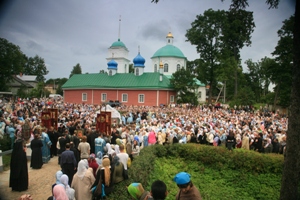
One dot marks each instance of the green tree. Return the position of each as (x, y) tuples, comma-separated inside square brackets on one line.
[(101, 71), (206, 34), (131, 68), (76, 70), (11, 62), (281, 74), (61, 82), (185, 86), (254, 78), (236, 33), (36, 66)]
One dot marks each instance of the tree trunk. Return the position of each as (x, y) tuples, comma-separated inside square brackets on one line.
[(276, 95), (290, 176)]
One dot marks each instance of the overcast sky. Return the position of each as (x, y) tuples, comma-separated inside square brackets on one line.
[(66, 32)]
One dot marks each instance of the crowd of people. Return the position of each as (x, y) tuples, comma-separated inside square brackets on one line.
[(101, 159)]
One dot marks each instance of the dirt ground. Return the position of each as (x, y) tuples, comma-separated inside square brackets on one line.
[(40, 182)]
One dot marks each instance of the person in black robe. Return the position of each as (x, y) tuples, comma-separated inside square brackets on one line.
[(18, 179), (91, 140), (53, 136), (36, 154), (61, 146)]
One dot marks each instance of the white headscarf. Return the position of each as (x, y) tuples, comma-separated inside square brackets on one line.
[(83, 165), (109, 149), (117, 149)]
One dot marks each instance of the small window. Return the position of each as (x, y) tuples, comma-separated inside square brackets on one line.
[(155, 68), (166, 67), (178, 67), (169, 40), (103, 97), (124, 97), (125, 68), (141, 98), (84, 97), (110, 73), (137, 72), (172, 98), (199, 94)]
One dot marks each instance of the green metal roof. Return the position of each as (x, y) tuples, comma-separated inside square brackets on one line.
[(168, 51), (196, 80), (118, 43), (123, 81)]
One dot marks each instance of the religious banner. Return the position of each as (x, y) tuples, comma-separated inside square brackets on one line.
[(54, 117), (104, 123), (46, 119), (79, 133)]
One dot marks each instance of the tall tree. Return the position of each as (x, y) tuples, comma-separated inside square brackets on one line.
[(11, 62), (236, 30), (205, 33), (254, 78), (36, 66), (76, 70), (282, 74), (185, 86)]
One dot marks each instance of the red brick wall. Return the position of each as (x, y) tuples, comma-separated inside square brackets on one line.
[(150, 96)]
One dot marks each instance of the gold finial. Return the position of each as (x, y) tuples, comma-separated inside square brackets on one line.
[(169, 35), (161, 65)]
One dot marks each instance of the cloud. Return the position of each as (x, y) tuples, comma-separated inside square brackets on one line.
[(30, 44), (155, 30)]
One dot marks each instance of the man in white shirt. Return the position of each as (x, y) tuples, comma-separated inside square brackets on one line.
[(123, 156)]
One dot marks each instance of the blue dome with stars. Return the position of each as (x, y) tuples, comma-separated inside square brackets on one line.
[(139, 61), (112, 64)]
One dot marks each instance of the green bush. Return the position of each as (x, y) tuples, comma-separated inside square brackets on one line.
[(5, 143), (217, 172)]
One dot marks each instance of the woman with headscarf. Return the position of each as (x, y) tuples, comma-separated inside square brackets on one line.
[(64, 179), (118, 169), (93, 164), (36, 153), (137, 192), (104, 175), (18, 179), (117, 149), (83, 180), (58, 175), (59, 193), (99, 158)]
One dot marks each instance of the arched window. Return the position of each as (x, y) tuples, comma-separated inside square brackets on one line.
[(137, 72), (166, 67), (169, 41), (110, 73), (125, 68), (155, 68), (178, 67)]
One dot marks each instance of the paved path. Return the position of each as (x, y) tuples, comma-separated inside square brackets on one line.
[(40, 182)]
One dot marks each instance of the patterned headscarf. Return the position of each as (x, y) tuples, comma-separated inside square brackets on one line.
[(136, 190)]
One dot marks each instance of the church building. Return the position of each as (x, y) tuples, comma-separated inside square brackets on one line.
[(139, 88)]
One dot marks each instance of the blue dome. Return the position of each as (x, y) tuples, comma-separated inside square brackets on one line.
[(112, 64), (139, 61)]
